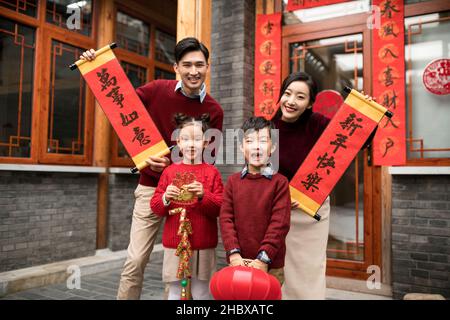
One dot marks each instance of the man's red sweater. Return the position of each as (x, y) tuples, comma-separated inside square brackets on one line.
[(255, 216), (203, 214), (162, 102)]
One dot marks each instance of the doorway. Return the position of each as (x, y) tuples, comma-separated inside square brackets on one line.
[(337, 54)]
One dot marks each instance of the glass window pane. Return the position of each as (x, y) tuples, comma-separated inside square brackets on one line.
[(427, 38), (346, 236), (136, 74), (28, 7), (132, 34), (138, 77), (17, 44), (335, 63), (70, 14), (164, 47), (163, 74), (324, 12), (66, 102)]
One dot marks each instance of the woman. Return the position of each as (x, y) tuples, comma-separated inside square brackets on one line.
[(306, 242)]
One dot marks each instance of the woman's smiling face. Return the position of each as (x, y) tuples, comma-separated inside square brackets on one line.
[(294, 101)]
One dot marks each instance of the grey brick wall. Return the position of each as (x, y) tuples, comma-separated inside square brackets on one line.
[(46, 217), (120, 209), (121, 203), (232, 58), (421, 235)]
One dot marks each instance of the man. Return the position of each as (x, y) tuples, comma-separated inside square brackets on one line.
[(162, 99)]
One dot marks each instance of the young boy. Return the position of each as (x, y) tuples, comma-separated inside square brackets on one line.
[(255, 213)]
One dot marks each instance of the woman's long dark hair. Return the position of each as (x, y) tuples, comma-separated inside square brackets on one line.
[(298, 76)]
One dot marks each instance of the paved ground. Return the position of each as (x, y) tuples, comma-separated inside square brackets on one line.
[(104, 285), (101, 286)]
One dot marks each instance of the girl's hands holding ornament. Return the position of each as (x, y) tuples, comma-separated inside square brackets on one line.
[(196, 188)]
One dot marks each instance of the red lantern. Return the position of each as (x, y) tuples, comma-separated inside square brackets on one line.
[(244, 283)]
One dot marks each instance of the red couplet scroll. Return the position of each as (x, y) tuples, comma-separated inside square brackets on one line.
[(122, 106), (388, 82), (267, 64), (334, 151)]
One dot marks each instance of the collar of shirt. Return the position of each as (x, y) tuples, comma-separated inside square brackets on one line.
[(266, 172), (200, 96)]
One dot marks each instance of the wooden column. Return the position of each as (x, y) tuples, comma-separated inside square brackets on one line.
[(102, 128), (194, 20), (265, 6), (386, 223)]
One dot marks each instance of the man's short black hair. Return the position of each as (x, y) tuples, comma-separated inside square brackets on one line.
[(188, 45), (256, 124)]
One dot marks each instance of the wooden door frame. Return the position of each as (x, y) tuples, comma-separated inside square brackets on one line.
[(372, 178)]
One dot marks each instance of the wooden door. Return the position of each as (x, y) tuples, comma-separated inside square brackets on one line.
[(337, 54)]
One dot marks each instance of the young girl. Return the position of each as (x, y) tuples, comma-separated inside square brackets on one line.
[(200, 184)]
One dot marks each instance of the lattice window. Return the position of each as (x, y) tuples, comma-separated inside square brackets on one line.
[(59, 12), (28, 7), (164, 47), (163, 74), (136, 74), (428, 114), (132, 34), (17, 50), (66, 102)]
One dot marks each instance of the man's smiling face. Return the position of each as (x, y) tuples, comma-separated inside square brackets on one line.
[(192, 69)]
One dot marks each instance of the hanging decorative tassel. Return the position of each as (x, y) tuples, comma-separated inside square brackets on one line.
[(184, 251), (184, 289)]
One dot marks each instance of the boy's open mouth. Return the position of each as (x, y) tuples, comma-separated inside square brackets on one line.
[(256, 155)]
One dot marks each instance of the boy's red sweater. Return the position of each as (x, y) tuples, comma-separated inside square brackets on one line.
[(255, 216), (203, 214)]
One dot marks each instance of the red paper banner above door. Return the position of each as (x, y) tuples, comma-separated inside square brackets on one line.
[(122, 106), (389, 145), (267, 64), (334, 151), (305, 4)]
